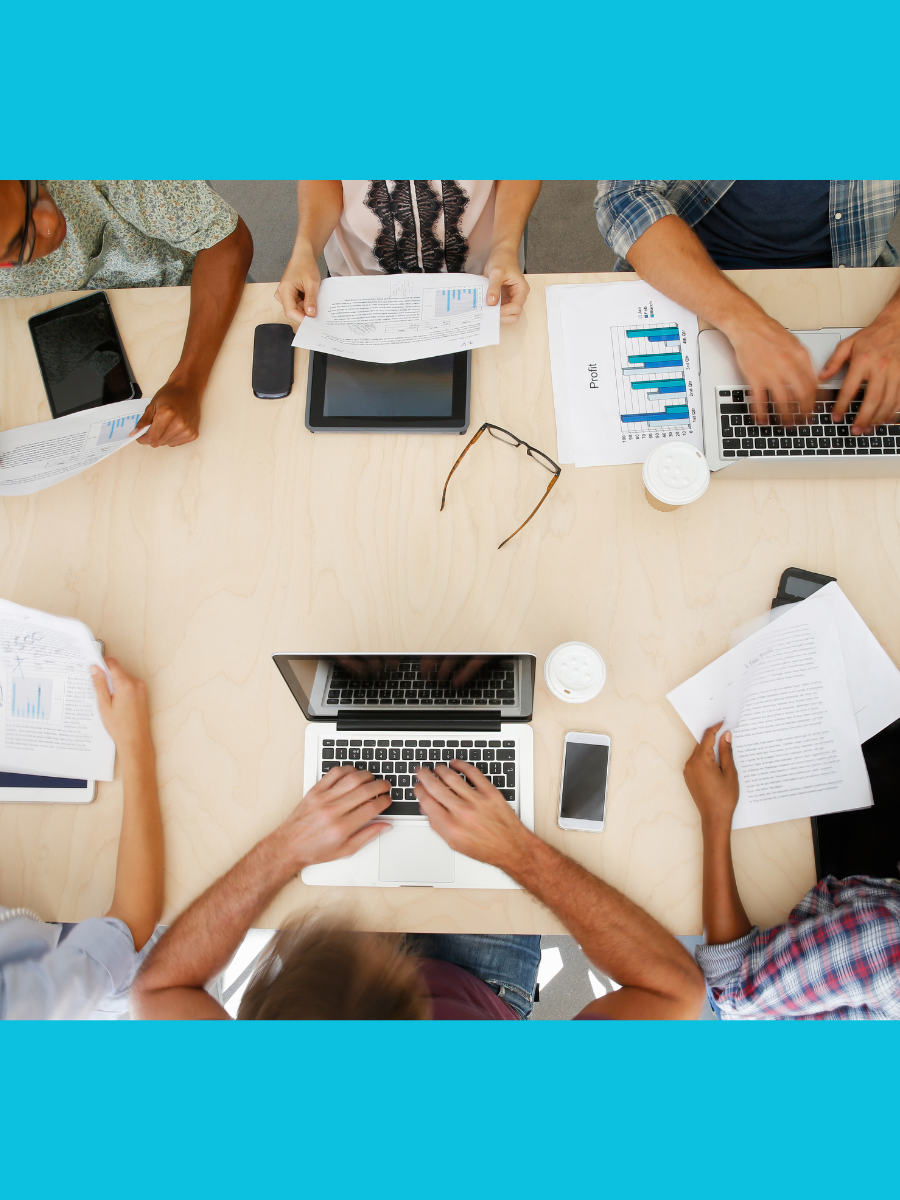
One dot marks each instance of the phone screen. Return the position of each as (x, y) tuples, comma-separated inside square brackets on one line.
[(584, 782), (81, 357)]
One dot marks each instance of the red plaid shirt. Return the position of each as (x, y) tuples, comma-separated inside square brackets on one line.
[(836, 958)]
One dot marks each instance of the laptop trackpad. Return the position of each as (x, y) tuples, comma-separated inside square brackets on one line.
[(414, 855)]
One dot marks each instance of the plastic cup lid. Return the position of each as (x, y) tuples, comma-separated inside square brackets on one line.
[(575, 672), (676, 473)]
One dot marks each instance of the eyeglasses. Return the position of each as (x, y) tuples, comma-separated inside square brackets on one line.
[(29, 233), (510, 439)]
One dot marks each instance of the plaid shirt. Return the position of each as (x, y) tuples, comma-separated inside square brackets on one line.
[(860, 214), (836, 959)]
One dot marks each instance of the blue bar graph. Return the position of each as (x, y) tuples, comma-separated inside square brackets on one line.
[(450, 301), (665, 333), (31, 698), (674, 412), (654, 362), (118, 430), (658, 385)]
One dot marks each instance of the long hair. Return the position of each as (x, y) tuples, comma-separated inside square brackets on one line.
[(319, 970)]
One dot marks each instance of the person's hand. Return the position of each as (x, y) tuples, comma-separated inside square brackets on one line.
[(124, 713), (872, 357), (333, 818), (299, 288), (172, 418), (507, 285), (713, 785), (455, 667), (774, 363), (472, 817)]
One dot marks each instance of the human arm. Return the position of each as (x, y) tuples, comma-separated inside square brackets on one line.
[(659, 980), (872, 357), (172, 418), (138, 896), (320, 203), (514, 199), (671, 257), (332, 821), (714, 788)]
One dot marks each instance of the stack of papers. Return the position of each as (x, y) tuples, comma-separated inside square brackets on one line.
[(49, 723), (399, 318), (800, 696), (625, 372)]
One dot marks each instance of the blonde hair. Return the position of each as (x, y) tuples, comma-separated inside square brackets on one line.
[(318, 969)]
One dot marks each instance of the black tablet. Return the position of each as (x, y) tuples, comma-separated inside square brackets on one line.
[(428, 395), (80, 353)]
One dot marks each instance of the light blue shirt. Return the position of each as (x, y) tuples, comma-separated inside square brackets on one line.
[(85, 975)]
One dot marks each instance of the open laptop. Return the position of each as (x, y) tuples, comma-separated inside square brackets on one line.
[(815, 449), (386, 713)]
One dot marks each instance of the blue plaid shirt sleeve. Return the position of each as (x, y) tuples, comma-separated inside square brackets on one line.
[(836, 958), (860, 213)]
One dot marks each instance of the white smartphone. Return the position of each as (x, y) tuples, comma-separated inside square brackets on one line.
[(582, 790)]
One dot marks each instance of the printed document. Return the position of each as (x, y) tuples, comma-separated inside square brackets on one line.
[(785, 696), (398, 318), (49, 722), (35, 457), (624, 363)]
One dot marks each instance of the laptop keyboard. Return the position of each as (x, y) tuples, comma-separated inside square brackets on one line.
[(396, 759), (818, 437), (493, 687)]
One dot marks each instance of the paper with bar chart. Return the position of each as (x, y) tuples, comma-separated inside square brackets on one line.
[(35, 457), (49, 723), (624, 364), (399, 318)]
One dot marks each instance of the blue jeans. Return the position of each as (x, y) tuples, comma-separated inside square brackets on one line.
[(507, 962)]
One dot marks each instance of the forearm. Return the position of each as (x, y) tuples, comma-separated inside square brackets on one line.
[(724, 918), (138, 896), (513, 203), (203, 940), (216, 286), (615, 934), (672, 258), (320, 203)]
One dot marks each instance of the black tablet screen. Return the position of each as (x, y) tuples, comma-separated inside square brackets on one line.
[(81, 358), (422, 389)]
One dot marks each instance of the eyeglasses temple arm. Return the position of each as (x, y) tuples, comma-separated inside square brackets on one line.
[(550, 485), (471, 443)]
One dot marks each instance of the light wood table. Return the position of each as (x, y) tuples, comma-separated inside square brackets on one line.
[(194, 565)]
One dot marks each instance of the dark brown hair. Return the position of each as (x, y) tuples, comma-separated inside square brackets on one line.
[(319, 970)]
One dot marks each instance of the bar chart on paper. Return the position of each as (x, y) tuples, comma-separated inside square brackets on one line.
[(650, 379), (440, 303), (31, 698), (111, 432)]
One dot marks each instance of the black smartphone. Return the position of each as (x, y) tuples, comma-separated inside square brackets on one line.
[(796, 584), (273, 361), (83, 362)]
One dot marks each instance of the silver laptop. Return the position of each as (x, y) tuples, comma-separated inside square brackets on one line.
[(812, 450), (387, 713)]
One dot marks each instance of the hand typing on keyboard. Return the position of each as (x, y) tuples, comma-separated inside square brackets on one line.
[(775, 362), (333, 819), (472, 817), (872, 357)]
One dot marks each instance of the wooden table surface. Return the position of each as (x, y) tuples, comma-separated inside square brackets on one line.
[(194, 565)]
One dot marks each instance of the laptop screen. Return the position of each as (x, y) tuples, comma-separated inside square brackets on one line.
[(387, 686)]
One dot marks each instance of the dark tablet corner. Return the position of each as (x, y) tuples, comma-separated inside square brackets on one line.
[(866, 841), (427, 395), (82, 360)]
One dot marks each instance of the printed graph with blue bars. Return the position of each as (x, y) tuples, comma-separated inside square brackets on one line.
[(650, 378), (118, 430), (450, 302), (31, 699)]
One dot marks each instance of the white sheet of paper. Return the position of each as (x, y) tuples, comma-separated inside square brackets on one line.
[(35, 457), (49, 722), (629, 387), (784, 694), (399, 318)]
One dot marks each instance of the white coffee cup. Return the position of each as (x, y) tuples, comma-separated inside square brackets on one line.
[(575, 672), (675, 474)]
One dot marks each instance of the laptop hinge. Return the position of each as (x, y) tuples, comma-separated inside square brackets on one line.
[(423, 724)]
